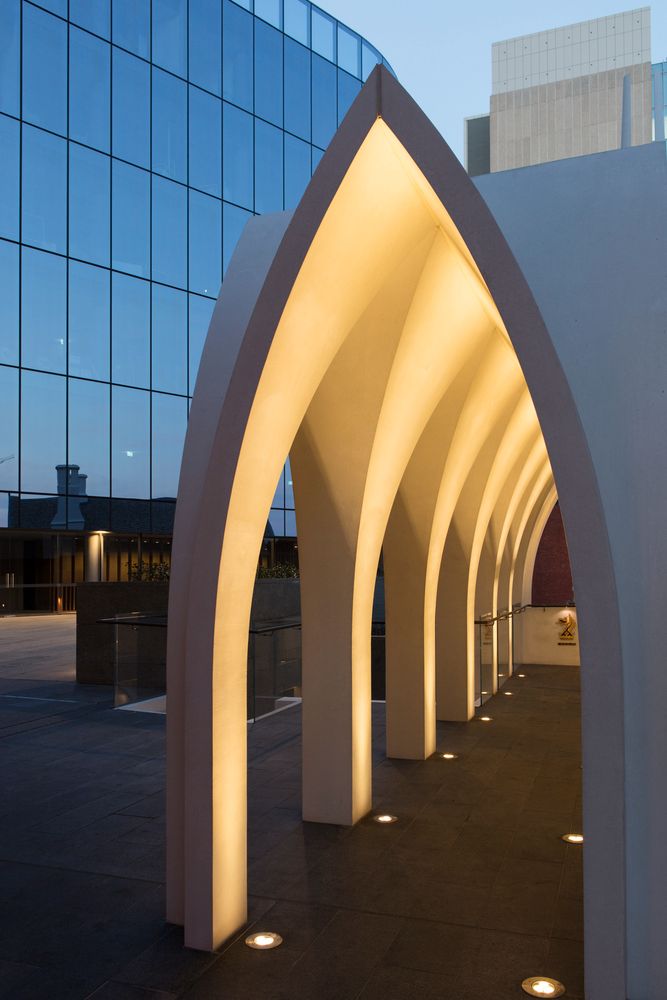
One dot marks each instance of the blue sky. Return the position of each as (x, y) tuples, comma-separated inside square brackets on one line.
[(441, 51)]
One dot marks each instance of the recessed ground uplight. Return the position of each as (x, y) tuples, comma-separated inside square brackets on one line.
[(542, 986), (485, 718), (521, 675), (573, 838), (263, 940), (449, 756), (508, 693), (501, 675), (385, 818), (485, 692)]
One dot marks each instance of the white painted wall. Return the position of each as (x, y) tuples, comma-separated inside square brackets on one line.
[(539, 638)]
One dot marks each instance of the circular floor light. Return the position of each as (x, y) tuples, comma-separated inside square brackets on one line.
[(263, 940), (501, 675), (385, 818), (485, 692), (542, 986), (508, 694), (449, 756), (521, 675), (573, 838), (485, 718)]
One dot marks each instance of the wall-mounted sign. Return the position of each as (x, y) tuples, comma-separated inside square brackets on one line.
[(567, 629)]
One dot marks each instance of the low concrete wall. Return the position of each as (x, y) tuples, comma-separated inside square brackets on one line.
[(95, 649)]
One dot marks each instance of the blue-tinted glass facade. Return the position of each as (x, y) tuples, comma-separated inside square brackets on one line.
[(138, 138)]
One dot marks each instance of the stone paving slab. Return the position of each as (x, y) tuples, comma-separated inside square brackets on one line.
[(468, 893)]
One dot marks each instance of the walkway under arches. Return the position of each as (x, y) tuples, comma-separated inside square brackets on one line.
[(386, 337)]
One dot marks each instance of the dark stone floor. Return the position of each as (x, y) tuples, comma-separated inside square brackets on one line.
[(467, 894)]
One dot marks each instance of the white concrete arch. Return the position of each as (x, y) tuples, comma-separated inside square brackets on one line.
[(495, 554), (387, 203)]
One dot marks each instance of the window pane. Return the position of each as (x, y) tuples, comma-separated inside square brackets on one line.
[(170, 232), (170, 35), (268, 73), (130, 324), (170, 339), (296, 19), (289, 485), (277, 522), (130, 448), (43, 428), (290, 524), (91, 14), (348, 88), (237, 59), (9, 428), (316, 156), (9, 304), (205, 142), (169, 126), (297, 89), (348, 51), (269, 10), (9, 178), (131, 25), (369, 59), (89, 204), (201, 311), (268, 168), (44, 199), (88, 321), (43, 312), (131, 219), (89, 89), (297, 170), (237, 151), (324, 102), (205, 30), (170, 417), (89, 436), (233, 224), (57, 6), (322, 35), (44, 69), (131, 108), (10, 30), (205, 244)]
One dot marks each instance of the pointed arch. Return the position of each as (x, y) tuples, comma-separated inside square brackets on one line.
[(388, 211)]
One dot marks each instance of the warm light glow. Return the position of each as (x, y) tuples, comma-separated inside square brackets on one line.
[(449, 756), (264, 940), (521, 675), (485, 718), (542, 986), (573, 838), (485, 692), (501, 675), (385, 818)]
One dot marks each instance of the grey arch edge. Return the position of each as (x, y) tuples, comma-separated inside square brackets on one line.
[(256, 315)]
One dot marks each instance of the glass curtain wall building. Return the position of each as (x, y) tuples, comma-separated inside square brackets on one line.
[(137, 139)]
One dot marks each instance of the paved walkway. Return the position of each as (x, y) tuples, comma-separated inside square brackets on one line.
[(467, 894)]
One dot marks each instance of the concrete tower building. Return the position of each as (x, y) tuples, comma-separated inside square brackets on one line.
[(565, 92)]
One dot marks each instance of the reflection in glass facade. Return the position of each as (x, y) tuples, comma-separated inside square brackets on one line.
[(659, 101), (138, 136)]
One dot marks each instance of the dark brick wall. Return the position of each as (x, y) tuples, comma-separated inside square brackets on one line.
[(552, 578)]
